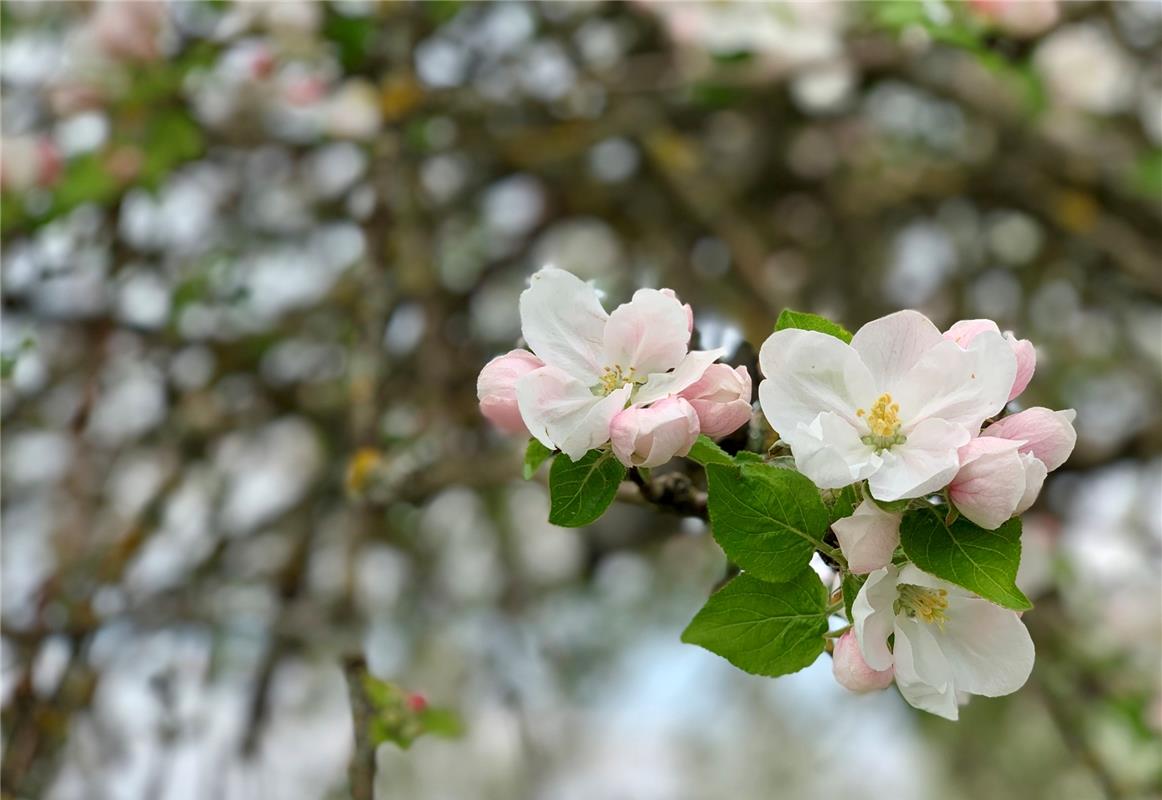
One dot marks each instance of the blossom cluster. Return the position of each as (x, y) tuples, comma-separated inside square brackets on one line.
[(909, 418), (627, 378), (904, 407)]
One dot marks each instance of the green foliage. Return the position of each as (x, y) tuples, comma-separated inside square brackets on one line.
[(841, 503), (984, 562), (535, 455), (767, 520), (811, 322), (705, 452), (851, 584), (891, 506), (764, 628), (400, 717), (1145, 177), (353, 38), (580, 491)]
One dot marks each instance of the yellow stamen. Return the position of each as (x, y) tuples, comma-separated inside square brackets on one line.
[(920, 601), (614, 378), (884, 419), (884, 423)]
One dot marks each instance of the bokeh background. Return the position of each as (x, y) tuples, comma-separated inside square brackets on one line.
[(255, 254)]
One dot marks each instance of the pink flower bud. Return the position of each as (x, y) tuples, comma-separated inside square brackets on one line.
[(649, 437), (721, 398), (966, 330), (991, 482), (1020, 18), (496, 389), (1035, 473), (868, 538), (852, 672), (417, 703), (1046, 434)]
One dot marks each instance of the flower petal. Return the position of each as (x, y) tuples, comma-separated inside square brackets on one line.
[(563, 322), (830, 452), (923, 673), (988, 647), (852, 672), (890, 346), (496, 388), (990, 482), (649, 437), (593, 430), (1026, 355), (966, 330), (868, 538), (1049, 435), (1035, 473), (721, 398), (872, 617), (561, 411), (925, 463), (962, 386), (810, 373), (662, 384), (649, 333)]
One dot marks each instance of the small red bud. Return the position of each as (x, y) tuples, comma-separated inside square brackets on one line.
[(417, 702)]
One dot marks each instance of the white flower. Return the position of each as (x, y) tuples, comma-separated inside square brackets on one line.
[(597, 363), (893, 407), (946, 639)]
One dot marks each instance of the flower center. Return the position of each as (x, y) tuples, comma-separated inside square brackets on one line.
[(884, 422), (920, 601), (614, 378)]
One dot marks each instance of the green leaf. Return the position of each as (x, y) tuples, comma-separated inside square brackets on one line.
[(891, 506), (535, 455), (705, 451), (767, 520), (400, 716), (841, 503), (764, 628), (442, 722), (811, 322), (580, 491), (984, 562), (782, 462), (851, 585)]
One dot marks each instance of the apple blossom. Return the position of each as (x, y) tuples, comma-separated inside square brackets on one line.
[(966, 330), (496, 388), (852, 672), (893, 407), (1048, 435), (946, 640), (868, 538), (597, 363), (721, 397), (1002, 471), (991, 481), (649, 437)]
